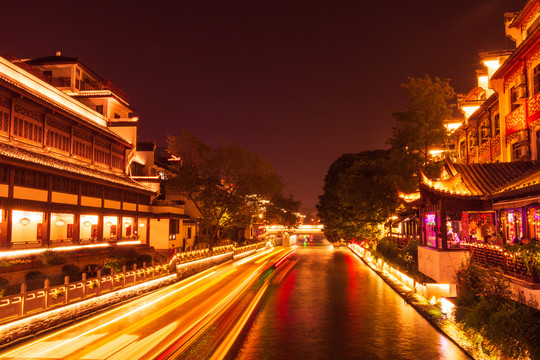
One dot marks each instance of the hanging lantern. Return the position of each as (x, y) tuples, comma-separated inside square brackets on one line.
[(87, 223), (126, 224), (24, 221), (141, 224), (60, 222), (108, 223)]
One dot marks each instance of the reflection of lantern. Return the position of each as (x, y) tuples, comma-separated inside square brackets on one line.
[(60, 222), (87, 223), (141, 224), (24, 221), (108, 223)]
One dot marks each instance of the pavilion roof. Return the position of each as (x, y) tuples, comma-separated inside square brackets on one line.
[(481, 180)]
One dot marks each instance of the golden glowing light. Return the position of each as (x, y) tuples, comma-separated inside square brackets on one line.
[(451, 127), (469, 109), (492, 64)]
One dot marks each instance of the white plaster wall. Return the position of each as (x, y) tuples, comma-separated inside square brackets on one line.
[(159, 233), (527, 294), (441, 266)]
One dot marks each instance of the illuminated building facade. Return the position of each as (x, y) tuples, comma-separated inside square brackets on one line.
[(67, 139), (490, 195), (502, 114)]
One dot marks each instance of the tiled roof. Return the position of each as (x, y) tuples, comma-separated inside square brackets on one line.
[(27, 156), (482, 180), (526, 183)]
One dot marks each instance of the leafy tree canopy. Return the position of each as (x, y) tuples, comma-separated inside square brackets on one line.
[(421, 126), (359, 194), (227, 184)]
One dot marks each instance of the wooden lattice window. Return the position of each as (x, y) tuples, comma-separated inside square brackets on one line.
[(64, 185), (58, 135), (82, 144), (27, 124), (102, 152), (113, 194), (91, 190), (5, 114), (117, 158), (130, 197)]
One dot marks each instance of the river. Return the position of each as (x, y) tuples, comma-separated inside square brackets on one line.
[(330, 305)]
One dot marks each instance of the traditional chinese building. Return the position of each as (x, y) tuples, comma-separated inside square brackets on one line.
[(471, 211), (67, 139), (503, 111)]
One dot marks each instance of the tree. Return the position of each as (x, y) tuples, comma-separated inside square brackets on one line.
[(359, 194), (227, 184), (421, 126)]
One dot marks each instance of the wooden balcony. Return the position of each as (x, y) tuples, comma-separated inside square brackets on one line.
[(516, 120), (89, 85), (512, 265)]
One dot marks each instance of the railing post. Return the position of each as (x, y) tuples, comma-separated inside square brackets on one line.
[(134, 268), (66, 285), (112, 279), (144, 270), (99, 282), (84, 285), (47, 287), (22, 311)]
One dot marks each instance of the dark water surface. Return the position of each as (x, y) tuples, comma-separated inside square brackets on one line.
[(332, 306)]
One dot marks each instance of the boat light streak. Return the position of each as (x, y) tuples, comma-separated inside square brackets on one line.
[(246, 259), (29, 320), (229, 297), (285, 257)]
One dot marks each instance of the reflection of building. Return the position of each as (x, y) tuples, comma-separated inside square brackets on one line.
[(67, 138)]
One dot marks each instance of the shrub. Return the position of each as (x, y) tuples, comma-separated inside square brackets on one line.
[(73, 271), (50, 258), (3, 283), (34, 280), (485, 305), (144, 258), (113, 264)]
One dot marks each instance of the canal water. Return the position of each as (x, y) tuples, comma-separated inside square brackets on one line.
[(330, 305)]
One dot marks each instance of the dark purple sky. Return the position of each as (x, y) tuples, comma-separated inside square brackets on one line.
[(299, 82)]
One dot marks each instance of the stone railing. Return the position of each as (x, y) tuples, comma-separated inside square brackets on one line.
[(49, 297)]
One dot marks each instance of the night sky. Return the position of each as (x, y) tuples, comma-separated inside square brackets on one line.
[(298, 82)]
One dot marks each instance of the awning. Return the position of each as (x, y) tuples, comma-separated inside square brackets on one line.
[(516, 203)]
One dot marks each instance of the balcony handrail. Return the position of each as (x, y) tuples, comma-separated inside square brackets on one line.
[(510, 264), (175, 203)]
